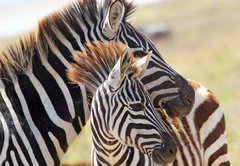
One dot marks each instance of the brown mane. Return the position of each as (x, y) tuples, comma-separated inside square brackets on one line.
[(93, 69)]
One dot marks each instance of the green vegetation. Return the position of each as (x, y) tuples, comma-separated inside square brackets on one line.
[(203, 46)]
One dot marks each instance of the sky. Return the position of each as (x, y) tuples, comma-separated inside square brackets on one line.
[(17, 16)]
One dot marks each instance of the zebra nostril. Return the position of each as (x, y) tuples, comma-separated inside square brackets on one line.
[(188, 96), (189, 101)]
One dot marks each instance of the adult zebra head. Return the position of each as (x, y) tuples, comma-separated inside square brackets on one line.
[(122, 114), (86, 20), (167, 88)]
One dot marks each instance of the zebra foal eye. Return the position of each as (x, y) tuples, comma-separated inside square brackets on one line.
[(137, 106), (140, 53)]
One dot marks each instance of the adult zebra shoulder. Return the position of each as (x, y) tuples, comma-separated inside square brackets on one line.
[(123, 119), (201, 135), (41, 113)]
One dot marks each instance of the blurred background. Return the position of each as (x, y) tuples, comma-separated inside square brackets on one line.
[(200, 39)]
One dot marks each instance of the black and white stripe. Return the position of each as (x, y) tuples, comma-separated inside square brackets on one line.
[(41, 113)]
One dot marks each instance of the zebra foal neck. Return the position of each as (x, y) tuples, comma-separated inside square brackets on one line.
[(123, 119)]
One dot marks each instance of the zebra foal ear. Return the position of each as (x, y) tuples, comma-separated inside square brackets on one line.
[(121, 67), (142, 64), (113, 18)]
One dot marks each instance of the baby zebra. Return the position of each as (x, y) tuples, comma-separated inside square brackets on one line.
[(126, 130)]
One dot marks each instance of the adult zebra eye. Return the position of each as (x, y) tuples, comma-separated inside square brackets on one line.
[(137, 106)]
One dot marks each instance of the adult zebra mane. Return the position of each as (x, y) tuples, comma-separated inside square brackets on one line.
[(20, 56), (94, 68)]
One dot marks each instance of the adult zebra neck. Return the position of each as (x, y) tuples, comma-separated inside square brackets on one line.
[(38, 106)]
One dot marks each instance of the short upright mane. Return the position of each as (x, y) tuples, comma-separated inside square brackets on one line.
[(18, 57), (93, 69)]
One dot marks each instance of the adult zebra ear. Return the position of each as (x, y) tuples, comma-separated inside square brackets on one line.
[(113, 18), (142, 64), (121, 67)]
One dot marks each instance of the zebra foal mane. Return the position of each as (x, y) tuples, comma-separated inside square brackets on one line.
[(93, 69)]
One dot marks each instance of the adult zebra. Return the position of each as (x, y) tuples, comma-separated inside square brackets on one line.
[(123, 119), (41, 113)]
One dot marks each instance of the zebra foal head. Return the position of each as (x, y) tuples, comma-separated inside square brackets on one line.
[(122, 115), (167, 88)]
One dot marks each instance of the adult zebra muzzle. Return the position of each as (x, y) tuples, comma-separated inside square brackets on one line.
[(183, 103)]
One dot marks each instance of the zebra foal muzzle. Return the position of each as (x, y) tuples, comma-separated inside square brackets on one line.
[(167, 153)]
